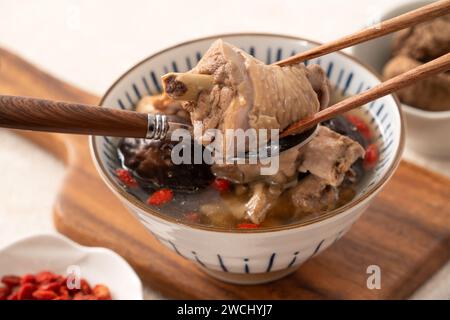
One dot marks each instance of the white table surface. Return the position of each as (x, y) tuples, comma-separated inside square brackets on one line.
[(90, 43)]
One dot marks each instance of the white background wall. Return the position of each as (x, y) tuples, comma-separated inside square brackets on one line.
[(90, 43)]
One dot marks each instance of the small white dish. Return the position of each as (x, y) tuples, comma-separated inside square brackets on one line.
[(254, 255), (427, 132), (56, 253)]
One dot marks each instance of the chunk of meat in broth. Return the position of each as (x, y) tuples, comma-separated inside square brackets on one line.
[(327, 159), (313, 194), (330, 155), (245, 93), (162, 104)]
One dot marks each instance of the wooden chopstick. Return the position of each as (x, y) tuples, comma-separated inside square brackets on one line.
[(406, 20), (435, 66)]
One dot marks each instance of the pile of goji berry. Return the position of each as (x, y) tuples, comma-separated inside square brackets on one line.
[(47, 285)]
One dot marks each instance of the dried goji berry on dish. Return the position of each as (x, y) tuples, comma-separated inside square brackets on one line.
[(13, 296), (47, 285), (45, 277), (28, 278), (247, 225), (360, 125), (101, 292), (73, 290), (64, 292), (127, 178), (11, 281), (59, 279), (371, 156), (71, 284), (80, 296), (221, 185), (44, 295), (160, 197), (26, 291), (51, 286), (4, 292)]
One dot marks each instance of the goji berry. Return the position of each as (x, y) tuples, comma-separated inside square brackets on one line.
[(4, 293), (45, 277), (59, 279), (63, 289), (160, 197), (192, 216), (247, 225), (51, 286), (221, 185), (101, 292), (80, 296), (127, 178), (44, 295), (13, 296), (64, 292), (11, 281), (371, 156), (26, 291), (72, 289), (85, 287), (360, 125), (28, 278)]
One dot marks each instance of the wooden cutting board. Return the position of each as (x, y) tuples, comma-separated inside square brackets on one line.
[(406, 231)]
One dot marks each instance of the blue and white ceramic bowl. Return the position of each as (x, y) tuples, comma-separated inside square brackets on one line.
[(253, 256)]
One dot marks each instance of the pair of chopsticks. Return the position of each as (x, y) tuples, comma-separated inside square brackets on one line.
[(441, 64)]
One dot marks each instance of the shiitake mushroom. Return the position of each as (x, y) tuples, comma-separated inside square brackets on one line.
[(151, 163)]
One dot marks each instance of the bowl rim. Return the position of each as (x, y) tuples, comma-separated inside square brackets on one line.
[(140, 205)]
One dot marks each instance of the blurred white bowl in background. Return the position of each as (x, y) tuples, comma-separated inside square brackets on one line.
[(427, 132)]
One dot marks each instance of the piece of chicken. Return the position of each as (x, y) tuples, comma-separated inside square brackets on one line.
[(329, 156), (312, 194), (242, 92)]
